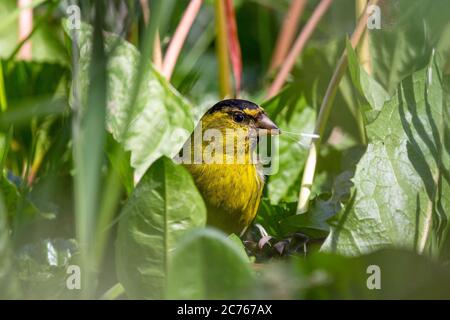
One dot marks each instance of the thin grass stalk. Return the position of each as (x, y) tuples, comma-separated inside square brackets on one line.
[(363, 52), (298, 46), (222, 50), (363, 49), (157, 51), (287, 33), (179, 37), (89, 139), (111, 194), (324, 113), (3, 100)]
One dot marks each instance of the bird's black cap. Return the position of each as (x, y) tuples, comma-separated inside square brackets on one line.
[(233, 103)]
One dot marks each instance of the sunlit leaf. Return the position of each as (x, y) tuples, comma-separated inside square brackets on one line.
[(160, 121), (401, 195)]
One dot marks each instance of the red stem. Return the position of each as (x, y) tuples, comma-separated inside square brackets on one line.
[(179, 37)]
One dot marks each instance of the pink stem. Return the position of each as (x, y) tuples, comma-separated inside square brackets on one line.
[(179, 37), (287, 33), (234, 46), (299, 44), (25, 28)]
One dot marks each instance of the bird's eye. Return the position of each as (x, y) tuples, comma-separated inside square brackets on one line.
[(238, 117)]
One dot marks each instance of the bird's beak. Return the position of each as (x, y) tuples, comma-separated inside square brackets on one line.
[(265, 123)]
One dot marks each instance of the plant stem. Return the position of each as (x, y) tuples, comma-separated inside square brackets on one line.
[(363, 52), (179, 37), (113, 293), (287, 33), (324, 113), (363, 46), (234, 45), (299, 44), (222, 50), (89, 139), (3, 101), (25, 27), (157, 52)]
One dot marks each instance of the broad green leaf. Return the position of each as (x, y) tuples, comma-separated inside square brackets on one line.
[(410, 29), (207, 265), (159, 122), (163, 206), (293, 117), (401, 194)]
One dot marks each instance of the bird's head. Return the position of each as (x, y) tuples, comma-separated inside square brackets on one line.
[(230, 129), (239, 115)]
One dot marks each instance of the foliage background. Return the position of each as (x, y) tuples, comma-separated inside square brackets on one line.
[(88, 114)]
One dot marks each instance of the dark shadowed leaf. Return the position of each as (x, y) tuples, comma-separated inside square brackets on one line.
[(409, 31)]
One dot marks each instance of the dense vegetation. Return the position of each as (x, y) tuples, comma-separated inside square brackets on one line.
[(89, 123)]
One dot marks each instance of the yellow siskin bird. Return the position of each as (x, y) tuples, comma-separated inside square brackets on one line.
[(226, 173)]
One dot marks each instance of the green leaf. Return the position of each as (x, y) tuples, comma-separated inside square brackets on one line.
[(163, 206), (160, 121), (207, 265), (293, 116), (367, 86), (410, 29), (269, 216), (233, 237), (30, 79), (21, 212), (401, 194)]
